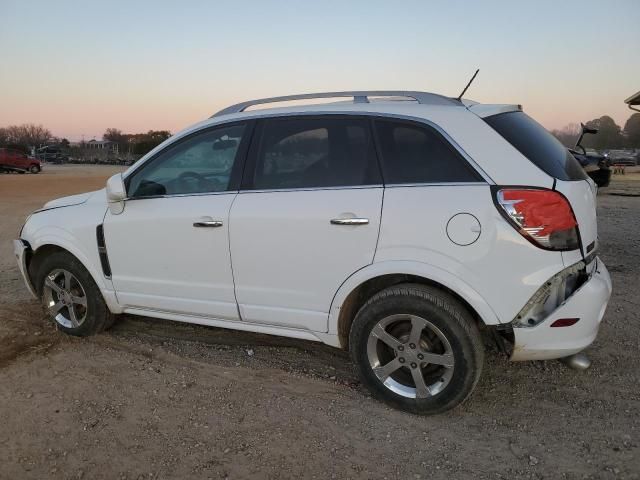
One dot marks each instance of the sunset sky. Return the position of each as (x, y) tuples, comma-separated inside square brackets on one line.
[(81, 67)]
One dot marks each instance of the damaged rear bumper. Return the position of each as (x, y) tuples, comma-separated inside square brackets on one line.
[(588, 304)]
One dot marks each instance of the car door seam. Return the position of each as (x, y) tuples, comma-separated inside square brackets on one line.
[(375, 251), (233, 275)]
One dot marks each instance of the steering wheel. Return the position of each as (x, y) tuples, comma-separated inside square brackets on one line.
[(204, 184)]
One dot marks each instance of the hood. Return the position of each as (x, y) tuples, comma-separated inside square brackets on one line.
[(68, 201)]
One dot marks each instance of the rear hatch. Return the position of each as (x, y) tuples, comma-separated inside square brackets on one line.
[(545, 151), (582, 196)]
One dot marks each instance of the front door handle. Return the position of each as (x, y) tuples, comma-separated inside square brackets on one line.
[(349, 221), (208, 223)]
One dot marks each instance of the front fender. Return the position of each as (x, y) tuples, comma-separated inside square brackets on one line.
[(406, 267), (59, 237)]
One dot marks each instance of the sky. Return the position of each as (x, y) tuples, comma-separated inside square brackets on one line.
[(79, 67)]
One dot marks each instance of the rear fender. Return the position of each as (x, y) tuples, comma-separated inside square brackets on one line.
[(403, 267)]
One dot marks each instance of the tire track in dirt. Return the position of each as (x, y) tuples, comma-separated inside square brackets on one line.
[(24, 331)]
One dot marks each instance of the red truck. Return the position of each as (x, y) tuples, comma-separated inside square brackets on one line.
[(16, 161)]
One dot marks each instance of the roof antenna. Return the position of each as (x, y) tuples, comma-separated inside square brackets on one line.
[(468, 85)]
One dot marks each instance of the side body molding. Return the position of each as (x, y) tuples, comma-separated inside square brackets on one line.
[(405, 267)]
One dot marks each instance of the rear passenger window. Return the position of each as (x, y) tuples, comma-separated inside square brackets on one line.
[(315, 153), (416, 154)]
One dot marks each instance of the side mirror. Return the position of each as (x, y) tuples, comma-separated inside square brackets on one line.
[(116, 193)]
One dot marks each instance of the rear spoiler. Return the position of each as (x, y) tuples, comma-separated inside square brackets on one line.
[(489, 110)]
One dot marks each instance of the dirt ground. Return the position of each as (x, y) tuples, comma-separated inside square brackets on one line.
[(158, 399)]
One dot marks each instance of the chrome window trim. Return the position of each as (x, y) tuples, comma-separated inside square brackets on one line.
[(382, 115), (301, 189), (438, 184), (257, 114), (308, 189), (200, 194), (311, 189)]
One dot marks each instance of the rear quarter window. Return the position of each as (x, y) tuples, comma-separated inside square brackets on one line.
[(414, 153), (537, 144)]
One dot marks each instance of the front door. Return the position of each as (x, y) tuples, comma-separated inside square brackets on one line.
[(169, 248), (307, 217)]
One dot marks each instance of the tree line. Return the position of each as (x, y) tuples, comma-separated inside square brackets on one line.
[(610, 135), (23, 137), (27, 136), (136, 143)]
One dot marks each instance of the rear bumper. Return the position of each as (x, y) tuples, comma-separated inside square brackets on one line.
[(588, 303), (20, 250)]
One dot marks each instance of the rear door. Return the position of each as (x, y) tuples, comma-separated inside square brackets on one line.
[(306, 218)]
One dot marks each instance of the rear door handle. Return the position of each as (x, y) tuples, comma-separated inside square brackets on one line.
[(208, 223), (349, 221)]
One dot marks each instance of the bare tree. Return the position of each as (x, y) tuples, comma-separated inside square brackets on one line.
[(4, 137), (568, 134), (26, 135)]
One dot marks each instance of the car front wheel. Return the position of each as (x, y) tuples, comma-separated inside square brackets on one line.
[(70, 297), (417, 348), (34, 169)]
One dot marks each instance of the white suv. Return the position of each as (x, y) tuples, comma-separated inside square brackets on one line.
[(404, 226)]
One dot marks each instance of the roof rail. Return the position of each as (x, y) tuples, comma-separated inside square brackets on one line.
[(359, 96)]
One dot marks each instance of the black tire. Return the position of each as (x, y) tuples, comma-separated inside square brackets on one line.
[(34, 169), (97, 317), (452, 320)]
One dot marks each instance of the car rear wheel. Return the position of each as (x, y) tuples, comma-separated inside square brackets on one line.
[(70, 297), (34, 169), (417, 348)]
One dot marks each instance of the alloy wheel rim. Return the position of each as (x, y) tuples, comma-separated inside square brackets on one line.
[(410, 356), (65, 298)]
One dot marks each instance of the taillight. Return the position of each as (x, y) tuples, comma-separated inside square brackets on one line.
[(544, 217)]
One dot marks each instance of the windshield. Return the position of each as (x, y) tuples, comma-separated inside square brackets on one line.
[(537, 144)]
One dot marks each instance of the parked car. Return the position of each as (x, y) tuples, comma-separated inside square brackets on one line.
[(622, 157), (12, 160), (403, 231), (51, 154)]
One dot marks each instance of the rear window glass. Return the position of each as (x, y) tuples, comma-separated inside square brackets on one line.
[(537, 144)]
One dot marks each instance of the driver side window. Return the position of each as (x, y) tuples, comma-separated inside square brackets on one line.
[(200, 164)]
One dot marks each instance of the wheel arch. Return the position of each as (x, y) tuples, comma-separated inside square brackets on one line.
[(49, 245), (363, 284)]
